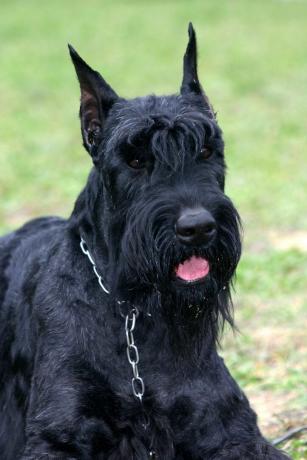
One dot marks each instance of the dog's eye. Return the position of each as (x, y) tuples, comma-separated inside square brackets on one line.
[(136, 164), (206, 152)]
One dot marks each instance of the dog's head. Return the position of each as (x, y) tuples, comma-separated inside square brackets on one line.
[(171, 233)]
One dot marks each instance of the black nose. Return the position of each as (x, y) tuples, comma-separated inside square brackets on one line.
[(195, 226)]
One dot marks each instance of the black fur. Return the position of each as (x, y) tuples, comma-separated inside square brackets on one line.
[(65, 380)]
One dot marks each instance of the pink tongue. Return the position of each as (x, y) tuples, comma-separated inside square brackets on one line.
[(193, 269)]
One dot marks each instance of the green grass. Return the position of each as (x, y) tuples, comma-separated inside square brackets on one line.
[(252, 62)]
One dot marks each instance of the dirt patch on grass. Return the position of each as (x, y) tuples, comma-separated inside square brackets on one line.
[(274, 415), (289, 240)]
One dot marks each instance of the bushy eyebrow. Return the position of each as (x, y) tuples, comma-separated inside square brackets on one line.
[(168, 136)]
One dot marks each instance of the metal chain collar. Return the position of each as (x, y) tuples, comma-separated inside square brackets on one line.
[(137, 383), (85, 251), (138, 387)]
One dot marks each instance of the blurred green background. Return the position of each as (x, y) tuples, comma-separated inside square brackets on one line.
[(253, 65)]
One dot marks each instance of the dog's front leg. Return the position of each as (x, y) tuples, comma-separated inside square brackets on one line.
[(59, 424)]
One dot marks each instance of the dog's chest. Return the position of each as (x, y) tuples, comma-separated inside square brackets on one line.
[(169, 412), (174, 401)]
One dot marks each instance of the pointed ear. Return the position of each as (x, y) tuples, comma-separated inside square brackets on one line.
[(190, 83), (97, 97)]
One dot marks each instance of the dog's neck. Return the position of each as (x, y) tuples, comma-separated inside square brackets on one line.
[(86, 220)]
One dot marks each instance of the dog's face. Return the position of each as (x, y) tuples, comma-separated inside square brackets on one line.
[(171, 230)]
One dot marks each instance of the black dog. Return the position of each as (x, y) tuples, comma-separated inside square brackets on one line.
[(108, 347)]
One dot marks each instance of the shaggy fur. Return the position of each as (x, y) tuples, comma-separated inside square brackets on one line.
[(65, 382)]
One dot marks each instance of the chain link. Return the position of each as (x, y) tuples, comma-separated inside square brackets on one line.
[(137, 383), (85, 251)]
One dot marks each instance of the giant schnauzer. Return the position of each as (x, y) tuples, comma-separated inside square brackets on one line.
[(110, 320)]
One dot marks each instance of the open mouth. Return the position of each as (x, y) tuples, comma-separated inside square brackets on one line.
[(192, 270)]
